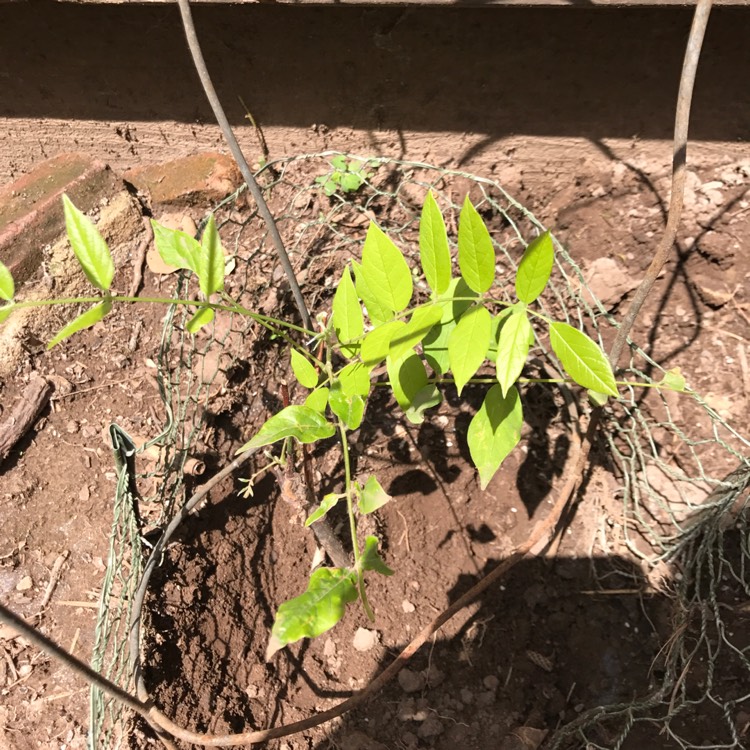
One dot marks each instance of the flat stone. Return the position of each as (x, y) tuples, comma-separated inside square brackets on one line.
[(31, 209)]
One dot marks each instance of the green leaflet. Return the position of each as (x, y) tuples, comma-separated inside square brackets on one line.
[(377, 311), (317, 610), (497, 324), (203, 317), (468, 344), (211, 261), (425, 398), (476, 255), (385, 271), (5, 312), (370, 558), (89, 247), (582, 359), (407, 377), (434, 252), (300, 422), (512, 348), (535, 268), (494, 431), (85, 320), (435, 343), (674, 380), (303, 370), (355, 379), (7, 287), (318, 400), (422, 320), (377, 343), (177, 248), (349, 409), (328, 502), (372, 496), (347, 314)]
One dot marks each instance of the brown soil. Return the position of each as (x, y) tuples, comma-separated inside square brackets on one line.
[(531, 655)]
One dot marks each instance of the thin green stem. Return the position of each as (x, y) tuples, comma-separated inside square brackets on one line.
[(348, 491)]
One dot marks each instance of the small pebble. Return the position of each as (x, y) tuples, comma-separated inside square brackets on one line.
[(411, 682), (491, 682), (407, 606), (365, 640), (24, 584)]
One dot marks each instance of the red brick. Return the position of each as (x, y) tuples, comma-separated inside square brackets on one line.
[(207, 177), (31, 211)]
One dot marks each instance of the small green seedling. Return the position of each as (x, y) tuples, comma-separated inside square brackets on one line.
[(346, 177)]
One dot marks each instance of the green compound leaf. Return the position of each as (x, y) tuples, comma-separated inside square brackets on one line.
[(407, 377), (422, 320), (89, 247), (177, 248), (318, 400), (476, 255), (433, 246), (328, 502), (582, 359), (203, 317), (347, 314), (372, 496), (377, 343), (303, 370), (385, 271), (355, 379), (349, 409), (371, 560), (85, 320), (300, 422), (425, 398), (468, 344), (317, 610), (435, 343), (494, 431), (5, 312), (512, 348), (535, 268), (351, 182), (7, 287), (376, 310), (211, 261)]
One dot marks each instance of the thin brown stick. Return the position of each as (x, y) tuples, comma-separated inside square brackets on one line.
[(25, 412), (140, 257), (679, 172)]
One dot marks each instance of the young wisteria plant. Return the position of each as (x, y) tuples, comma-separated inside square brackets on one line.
[(375, 321)]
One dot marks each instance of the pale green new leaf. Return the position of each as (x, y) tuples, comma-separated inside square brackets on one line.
[(435, 343), (377, 343), (318, 400), (89, 247), (370, 559), (512, 349), (494, 431), (355, 379), (468, 344), (85, 320), (385, 271), (407, 377), (674, 380), (177, 248), (433, 246), (211, 262), (476, 255), (328, 502), (425, 398), (301, 422), (347, 314), (422, 320), (535, 268), (303, 370), (372, 496), (7, 287), (317, 610), (349, 409), (582, 359), (203, 317), (5, 312), (377, 311)]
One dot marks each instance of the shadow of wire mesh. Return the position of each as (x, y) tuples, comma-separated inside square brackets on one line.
[(681, 470)]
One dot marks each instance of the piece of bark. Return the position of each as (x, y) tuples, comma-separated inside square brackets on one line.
[(25, 412)]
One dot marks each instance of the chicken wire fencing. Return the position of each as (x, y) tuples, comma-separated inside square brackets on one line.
[(679, 469)]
